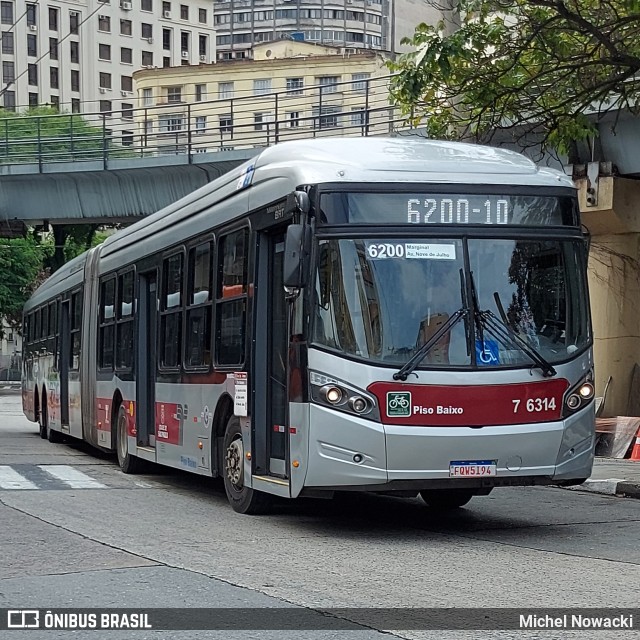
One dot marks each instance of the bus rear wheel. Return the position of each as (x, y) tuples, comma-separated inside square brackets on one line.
[(446, 499), (242, 499), (42, 421), (128, 462)]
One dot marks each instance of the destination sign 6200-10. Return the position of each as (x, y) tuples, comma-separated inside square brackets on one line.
[(454, 210)]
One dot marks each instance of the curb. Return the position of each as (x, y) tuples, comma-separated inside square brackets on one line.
[(610, 487)]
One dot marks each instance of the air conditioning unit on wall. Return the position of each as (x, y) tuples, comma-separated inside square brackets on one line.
[(166, 14), (185, 54), (127, 6)]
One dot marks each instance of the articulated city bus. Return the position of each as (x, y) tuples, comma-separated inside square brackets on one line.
[(388, 315)]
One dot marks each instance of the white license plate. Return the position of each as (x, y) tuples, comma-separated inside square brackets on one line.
[(472, 468)]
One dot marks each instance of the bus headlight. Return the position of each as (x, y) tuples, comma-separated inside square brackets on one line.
[(334, 393), (579, 396)]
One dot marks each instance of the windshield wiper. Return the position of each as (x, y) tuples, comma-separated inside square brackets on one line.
[(415, 360), (505, 333)]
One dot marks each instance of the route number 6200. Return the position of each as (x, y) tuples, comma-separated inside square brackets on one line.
[(535, 405)]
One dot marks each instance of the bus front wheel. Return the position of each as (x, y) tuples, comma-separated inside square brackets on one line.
[(128, 463), (242, 499), (445, 499)]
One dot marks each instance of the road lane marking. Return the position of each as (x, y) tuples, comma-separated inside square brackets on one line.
[(74, 478), (10, 479)]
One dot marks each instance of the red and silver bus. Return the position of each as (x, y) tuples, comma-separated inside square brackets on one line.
[(385, 315)]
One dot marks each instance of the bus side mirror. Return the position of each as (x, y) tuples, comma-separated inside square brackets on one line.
[(296, 255)]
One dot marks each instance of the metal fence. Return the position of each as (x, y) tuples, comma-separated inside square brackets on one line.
[(187, 126)]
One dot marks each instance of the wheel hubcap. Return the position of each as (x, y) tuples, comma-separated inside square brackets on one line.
[(122, 438), (234, 463)]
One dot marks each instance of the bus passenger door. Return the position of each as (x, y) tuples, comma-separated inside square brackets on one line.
[(271, 411), (64, 355), (146, 360)]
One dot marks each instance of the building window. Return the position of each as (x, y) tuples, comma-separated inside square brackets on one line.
[(166, 62), (75, 80), (166, 39), (105, 80), (260, 119), (147, 97), (261, 87), (295, 86), (8, 72), (126, 83), (328, 84), (201, 92), (75, 105), (75, 52), (225, 90), (104, 24), (6, 12), (359, 81), (33, 99), (184, 40), (201, 124), (10, 100), (174, 94), (74, 22), (32, 45), (184, 12), (147, 58), (203, 43), (171, 312), (7, 42), (104, 52), (147, 30), (53, 19), (146, 5), (171, 122), (126, 27), (202, 16), (32, 74), (226, 123), (326, 117), (127, 138), (126, 55), (166, 8), (231, 298), (55, 102), (54, 78), (293, 119), (357, 117), (105, 106), (53, 48), (32, 16)]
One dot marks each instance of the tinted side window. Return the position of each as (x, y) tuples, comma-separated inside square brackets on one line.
[(106, 332), (198, 313), (170, 347)]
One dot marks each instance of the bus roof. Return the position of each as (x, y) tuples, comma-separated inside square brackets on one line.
[(288, 165)]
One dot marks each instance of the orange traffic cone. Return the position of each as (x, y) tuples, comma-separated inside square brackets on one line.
[(635, 453)]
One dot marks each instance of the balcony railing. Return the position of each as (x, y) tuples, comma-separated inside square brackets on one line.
[(355, 108)]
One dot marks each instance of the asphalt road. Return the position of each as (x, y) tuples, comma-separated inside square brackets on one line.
[(169, 539)]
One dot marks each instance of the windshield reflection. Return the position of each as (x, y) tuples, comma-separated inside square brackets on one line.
[(381, 300)]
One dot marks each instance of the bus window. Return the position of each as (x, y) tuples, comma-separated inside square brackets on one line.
[(231, 299), (198, 317), (45, 322), (106, 333), (53, 318), (38, 331), (124, 322), (76, 325), (171, 315)]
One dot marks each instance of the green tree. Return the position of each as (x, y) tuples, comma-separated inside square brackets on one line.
[(542, 71), (44, 133), (21, 272)]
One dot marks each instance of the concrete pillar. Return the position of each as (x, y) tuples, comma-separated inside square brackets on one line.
[(614, 281)]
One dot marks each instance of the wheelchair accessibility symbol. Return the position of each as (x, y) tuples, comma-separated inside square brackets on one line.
[(487, 353)]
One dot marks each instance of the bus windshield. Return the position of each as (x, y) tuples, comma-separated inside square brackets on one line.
[(381, 300)]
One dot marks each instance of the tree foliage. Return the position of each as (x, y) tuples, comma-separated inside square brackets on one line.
[(540, 70), (21, 272)]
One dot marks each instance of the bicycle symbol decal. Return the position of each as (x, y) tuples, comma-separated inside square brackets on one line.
[(398, 403)]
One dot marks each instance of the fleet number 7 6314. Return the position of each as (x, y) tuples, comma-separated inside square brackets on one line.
[(533, 405)]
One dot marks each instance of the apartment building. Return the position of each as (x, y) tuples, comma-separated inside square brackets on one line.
[(10, 352), (80, 55), (357, 24), (288, 90)]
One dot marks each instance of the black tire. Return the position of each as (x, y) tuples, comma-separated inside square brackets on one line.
[(446, 499), (242, 499), (42, 420), (127, 461)]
